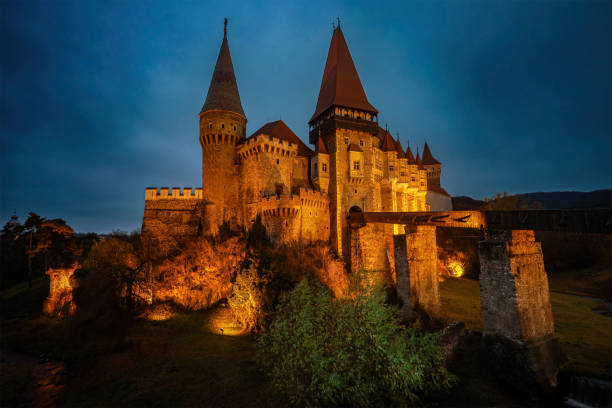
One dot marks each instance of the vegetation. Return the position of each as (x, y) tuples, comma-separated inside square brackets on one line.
[(585, 334), (348, 351), (505, 202)]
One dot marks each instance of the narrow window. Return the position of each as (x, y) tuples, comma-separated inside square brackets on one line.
[(361, 143), (391, 168), (277, 161), (356, 165), (324, 167), (346, 140)]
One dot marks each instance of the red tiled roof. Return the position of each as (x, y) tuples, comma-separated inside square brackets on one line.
[(223, 89), (427, 156), (388, 144), (320, 146), (399, 149), (281, 131), (437, 189), (409, 156), (341, 84)]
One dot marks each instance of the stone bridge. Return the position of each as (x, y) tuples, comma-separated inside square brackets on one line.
[(514, 294)]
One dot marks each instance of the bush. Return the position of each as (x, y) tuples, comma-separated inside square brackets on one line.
[(348, 351)]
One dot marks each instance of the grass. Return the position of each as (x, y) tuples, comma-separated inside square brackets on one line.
[(584, 334)]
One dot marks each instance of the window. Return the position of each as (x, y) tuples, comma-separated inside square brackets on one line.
[(391, 168), (413, 179), (324, 167), (361, 143), (277, 162), (223, 126), (356, 165), (210, 125), (402, 173), (234, 127), (346, 140)]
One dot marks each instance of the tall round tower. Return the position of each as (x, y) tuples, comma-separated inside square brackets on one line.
[(222, 127)]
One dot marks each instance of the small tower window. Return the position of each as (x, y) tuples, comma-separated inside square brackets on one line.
[(234, 127), (356, 165), (361, 143), (324, 167), (346, 140), (223, 126), (277, 162), (210, 125), (391, 168)]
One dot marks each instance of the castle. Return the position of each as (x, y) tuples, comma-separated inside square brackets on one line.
[(299, 193)]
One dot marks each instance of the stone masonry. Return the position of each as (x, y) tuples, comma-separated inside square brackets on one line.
[(514, 293), (416, 270), (61, 285)]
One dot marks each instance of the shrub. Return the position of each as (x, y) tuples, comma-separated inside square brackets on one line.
[(246, 300), (348, 351)]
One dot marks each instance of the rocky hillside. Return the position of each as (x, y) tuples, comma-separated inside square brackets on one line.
[(555, 200)]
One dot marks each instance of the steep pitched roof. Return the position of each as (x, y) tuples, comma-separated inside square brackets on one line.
[(399, 149), (280, 130), (341, 84), (418, 160), (427, 156), (388, 144), (223, 90), (320, 146), (409, 156)]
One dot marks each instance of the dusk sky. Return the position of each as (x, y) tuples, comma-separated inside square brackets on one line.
[(99, 99)]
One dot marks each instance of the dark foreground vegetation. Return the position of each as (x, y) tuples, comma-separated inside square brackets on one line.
[(288, 332)]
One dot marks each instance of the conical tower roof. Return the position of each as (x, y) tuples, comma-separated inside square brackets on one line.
[(410, 156), (341, 84), (280, 130), (427, 156), (223, 90), (388, 144), (399, 149)]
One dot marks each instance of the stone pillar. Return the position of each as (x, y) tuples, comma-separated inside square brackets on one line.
[(61, 286), (368, 252), (416, 270), (517, 317), (514, 296)]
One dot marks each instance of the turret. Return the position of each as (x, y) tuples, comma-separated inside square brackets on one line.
[(433, 167), (222, 127), (320, 166)]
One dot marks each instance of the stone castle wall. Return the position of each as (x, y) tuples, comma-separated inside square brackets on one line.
[(171, 216)]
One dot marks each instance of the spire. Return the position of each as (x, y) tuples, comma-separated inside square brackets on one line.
[(341, 84), (388, 144), (409, 156), (399, 149), (427, 156), (223, 90)]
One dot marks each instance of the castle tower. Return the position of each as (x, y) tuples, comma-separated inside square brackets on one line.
[(432, 166), (222, 127), (346, 122)]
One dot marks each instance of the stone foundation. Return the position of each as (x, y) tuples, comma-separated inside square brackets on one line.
[(416, 270), (61, 286), (514, 294)]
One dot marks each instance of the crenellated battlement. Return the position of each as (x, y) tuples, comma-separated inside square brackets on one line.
[(267, 144), (165, 193)]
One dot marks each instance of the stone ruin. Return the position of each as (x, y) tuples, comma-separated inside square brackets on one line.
[(61, 285)]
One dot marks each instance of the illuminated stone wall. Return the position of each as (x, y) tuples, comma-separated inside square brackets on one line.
[(514, 293), (61, 286), (171, 216), (416, 263), (220, 133)]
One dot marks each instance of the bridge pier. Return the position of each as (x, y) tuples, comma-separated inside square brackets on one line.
[(517, 318), (416, 270)]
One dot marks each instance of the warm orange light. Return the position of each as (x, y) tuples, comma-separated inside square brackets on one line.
[(222, 322), (158, 313), (455, 269)]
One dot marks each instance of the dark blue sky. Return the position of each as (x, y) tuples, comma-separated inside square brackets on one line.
[(100, 99)]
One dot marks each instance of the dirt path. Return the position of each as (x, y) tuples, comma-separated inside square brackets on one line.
[(48, 380)]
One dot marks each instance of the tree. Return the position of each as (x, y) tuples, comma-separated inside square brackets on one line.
[(32, 226), (505, 202), (125, 260), (246, 301), (349, 352)]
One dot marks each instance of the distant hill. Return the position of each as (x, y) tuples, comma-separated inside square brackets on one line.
[(555, 200)]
